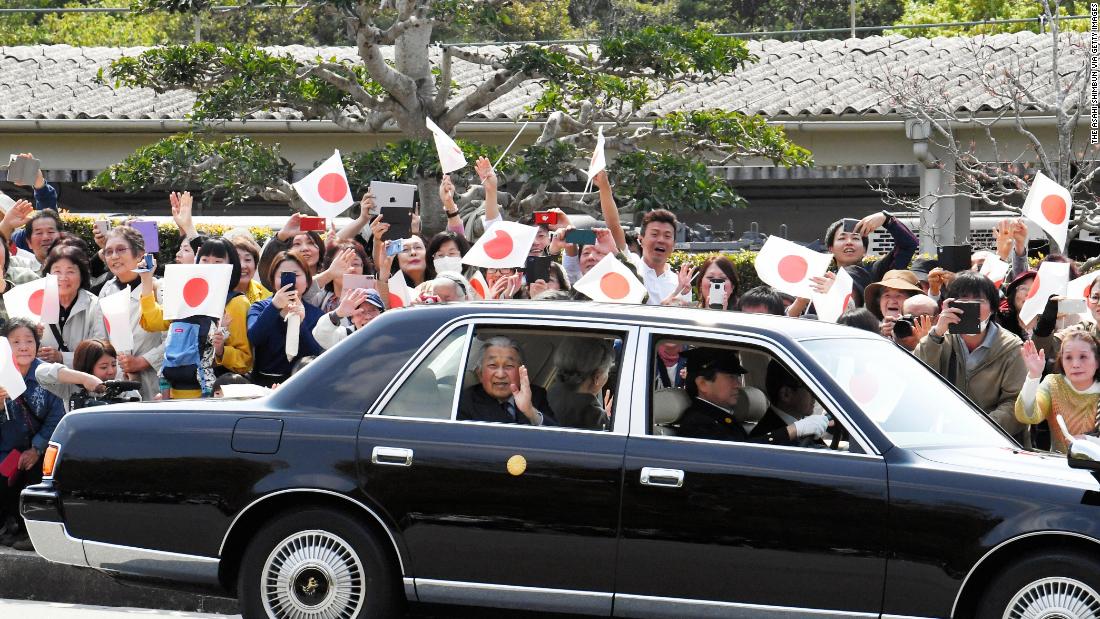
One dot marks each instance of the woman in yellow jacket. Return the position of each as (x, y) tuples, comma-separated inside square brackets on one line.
[(230, 349)]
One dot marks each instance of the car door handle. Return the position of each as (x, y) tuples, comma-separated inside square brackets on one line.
[(392, 456), (671, 478)]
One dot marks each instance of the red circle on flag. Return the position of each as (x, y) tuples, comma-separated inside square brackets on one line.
[(614, 285), (793, 269), (332, 187), (107, 323), (396, 301), (863, 388), (499, 246), (1034, 290), (34, 302), (195, 291), (478, 288), (1054, 209)]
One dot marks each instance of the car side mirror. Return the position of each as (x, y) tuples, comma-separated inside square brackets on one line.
[(1080, 454)]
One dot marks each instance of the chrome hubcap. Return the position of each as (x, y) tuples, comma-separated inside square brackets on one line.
[(1054, 598), (313, 575)]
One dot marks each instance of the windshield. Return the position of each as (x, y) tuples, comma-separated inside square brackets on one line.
[(905, 398)]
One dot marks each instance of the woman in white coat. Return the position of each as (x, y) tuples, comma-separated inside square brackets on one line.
[(122, 253), (79, 317)]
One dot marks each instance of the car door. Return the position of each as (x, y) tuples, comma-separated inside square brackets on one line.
[(746, 529), (494, 513)]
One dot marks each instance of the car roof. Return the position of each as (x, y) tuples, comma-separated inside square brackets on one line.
[(777, 327)]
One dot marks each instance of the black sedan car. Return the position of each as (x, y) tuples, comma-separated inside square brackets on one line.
[(536, 456)]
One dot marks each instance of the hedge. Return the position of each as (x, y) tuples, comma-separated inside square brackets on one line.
[(169, 234)]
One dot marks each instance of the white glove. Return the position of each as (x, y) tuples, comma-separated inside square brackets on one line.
[(811, 425)]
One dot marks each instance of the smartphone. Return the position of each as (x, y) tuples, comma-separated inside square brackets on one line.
[(549, 218), (353, 280), (287, 279), (955, 258), (148, 230), (392, 194), (536, 268), (717, 297), (1072, 306), (970, 322), (23, 170), (581, 237), (310, 224), (103, 226), (400, 221), (394, 247), (145, 265), (849, 224)]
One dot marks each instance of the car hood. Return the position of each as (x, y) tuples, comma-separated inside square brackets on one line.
[(1012, 464)]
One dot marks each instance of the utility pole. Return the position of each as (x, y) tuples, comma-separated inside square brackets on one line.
[(852, 15)]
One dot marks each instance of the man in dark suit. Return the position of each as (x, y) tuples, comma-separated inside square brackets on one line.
[(504, 393), (714, 380), (789, 400)]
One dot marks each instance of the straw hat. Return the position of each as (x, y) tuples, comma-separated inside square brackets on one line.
[(895, 280)]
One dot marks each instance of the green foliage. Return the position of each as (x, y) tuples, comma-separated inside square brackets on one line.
[(236, 80), (87, 29), (548, 165), (939, 11), (743, 261), (235, 169), (774, 15), (751, 134), (406, 161), (169, 234), (648, 180), (666, 52)]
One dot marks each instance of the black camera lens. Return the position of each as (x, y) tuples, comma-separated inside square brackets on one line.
[(903, 327)]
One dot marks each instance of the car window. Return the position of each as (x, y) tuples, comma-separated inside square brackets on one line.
[(428, 392), (572, 374), (712, 390), (906, 399)]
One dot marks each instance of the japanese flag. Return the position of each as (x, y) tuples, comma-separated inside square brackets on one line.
[(10, 378), (504, 246), (610, 281), (831, 305), (1049, 204), (326, 189), (1079, 289), (450, 155), (1053, 277), (995, 269), (400, 295), (788, 266), (480, 286), (876, 388), (598, 161), (36, 300), (116, 318), (196, 290), (6, 202)]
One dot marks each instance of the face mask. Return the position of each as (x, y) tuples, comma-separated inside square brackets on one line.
[(448, 264)]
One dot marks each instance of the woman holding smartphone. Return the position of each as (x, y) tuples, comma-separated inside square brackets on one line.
[(719, 283), (268, 324), (123, 252)]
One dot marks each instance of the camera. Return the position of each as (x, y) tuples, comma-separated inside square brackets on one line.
[(111, 394), (903, 326)]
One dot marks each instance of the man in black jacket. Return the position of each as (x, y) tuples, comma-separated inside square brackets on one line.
[(714, 381), (504, 393)]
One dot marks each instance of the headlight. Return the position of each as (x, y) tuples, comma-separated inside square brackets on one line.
[(49, 460)]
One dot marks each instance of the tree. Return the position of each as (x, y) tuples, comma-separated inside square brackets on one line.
[(1053, 84), (606, 84), (943, 11), (774, 15)]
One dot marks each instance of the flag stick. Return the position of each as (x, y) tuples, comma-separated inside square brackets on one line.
[(587, 186), (511, 144)]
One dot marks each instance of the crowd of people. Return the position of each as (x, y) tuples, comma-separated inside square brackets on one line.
[(288, 302)]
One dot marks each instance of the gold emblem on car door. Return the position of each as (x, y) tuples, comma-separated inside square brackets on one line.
[(517, 464)]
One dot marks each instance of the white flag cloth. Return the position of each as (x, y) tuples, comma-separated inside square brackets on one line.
[(1049, 205), (450, 155), (610, 281), (504, 246), (1079, 289), (326, 189), (831, 305), (788, 266), (196, 290), (480, 286), (35, 300), (400, 295), (116, 318), (247, 390), (598, 161), (1053, 277), (10, 378), (6, 202), (875, 387), (293, 332), (995, 269)]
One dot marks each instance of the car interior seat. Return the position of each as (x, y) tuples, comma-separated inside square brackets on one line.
[(669, 405)]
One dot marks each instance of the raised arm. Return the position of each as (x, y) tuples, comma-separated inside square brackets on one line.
[(609, 209)]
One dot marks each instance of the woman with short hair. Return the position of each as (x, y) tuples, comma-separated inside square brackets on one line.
[(79, 316), (583, 367)]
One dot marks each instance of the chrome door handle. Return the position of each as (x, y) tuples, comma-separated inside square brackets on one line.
[(391, 456), (671, 478)]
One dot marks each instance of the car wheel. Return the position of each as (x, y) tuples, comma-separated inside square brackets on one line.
[(316, 564), (1062, 585)]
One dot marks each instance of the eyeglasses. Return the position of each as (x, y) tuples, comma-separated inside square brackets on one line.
[(108, 252), (492, 271), (1095, 298)]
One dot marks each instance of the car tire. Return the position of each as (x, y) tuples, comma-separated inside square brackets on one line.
[(316, 563), (1056, 584)]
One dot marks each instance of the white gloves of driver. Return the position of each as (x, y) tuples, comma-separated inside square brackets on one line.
[(811, 425)]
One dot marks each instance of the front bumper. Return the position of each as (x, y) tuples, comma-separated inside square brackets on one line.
[(40, 506)]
